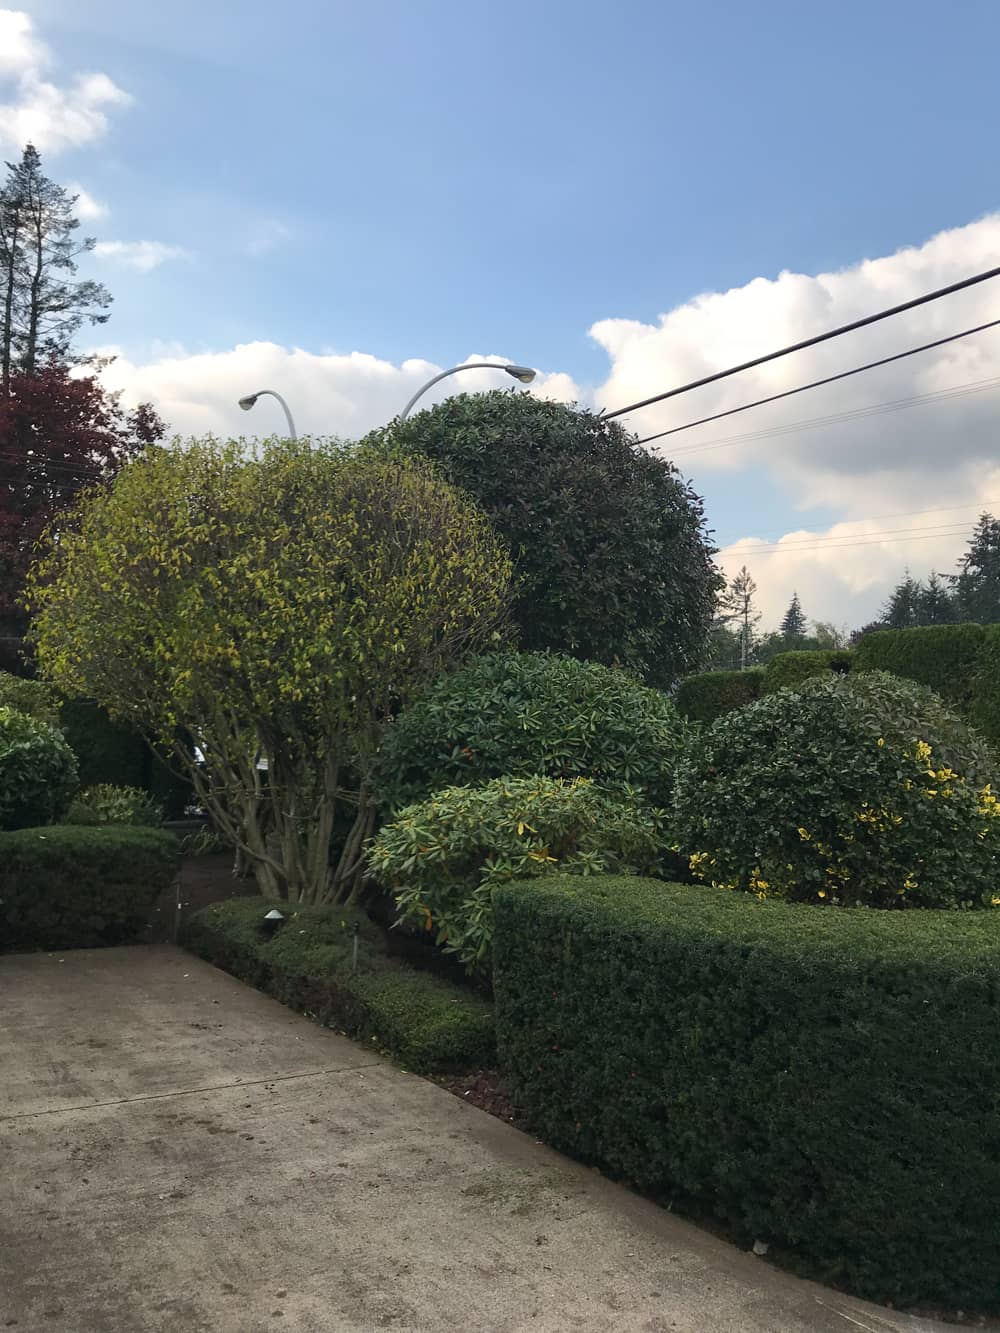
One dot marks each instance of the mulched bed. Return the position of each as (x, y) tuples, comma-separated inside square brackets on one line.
[(485, 1089), (204, 880)]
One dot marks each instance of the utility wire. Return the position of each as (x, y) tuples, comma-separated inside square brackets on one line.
[(828, 379), (809, 342), (904, 513), (849, 538), (849, 414), (919, 535), (875, 541), (48, 465)]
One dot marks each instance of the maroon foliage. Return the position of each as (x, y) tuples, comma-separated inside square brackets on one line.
[(58, 435)]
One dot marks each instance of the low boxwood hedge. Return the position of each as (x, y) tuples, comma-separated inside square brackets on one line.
[(65, 887), (706, 696), (826, 1081), (427, 1024)]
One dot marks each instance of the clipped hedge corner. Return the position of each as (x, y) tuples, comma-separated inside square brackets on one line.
[(428, 1025), (959, 662), (821, 1080), (65, 887), (792, 668), (704, 697)]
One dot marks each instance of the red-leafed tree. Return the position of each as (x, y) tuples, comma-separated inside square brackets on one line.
[(58, 435)]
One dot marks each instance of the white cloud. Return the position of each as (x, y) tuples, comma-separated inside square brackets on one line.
[(88, 209), (870, 470), (328, 393), (51, 116), (20, 50), (141, 255), (938, 453)]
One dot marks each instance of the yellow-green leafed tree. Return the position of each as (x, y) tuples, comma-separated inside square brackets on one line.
[(272, 608)]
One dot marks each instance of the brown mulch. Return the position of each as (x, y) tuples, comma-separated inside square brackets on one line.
[(203, 880), (485, 1089)]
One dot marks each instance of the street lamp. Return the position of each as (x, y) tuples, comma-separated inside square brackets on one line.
[(523, 373), (248, 402)]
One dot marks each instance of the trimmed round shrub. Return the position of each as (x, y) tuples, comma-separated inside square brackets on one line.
[(105, 804), (444, 856), (907, 712), (836, 793), (515, 714), (612, 560), (37, 771)]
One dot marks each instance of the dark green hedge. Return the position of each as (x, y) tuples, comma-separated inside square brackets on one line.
[(824, 1080), (110, 753), (427, 1024), (790, 669), (959, 662), (705, 697), (65, 887)]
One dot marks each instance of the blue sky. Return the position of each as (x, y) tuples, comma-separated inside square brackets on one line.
[(436, 180)]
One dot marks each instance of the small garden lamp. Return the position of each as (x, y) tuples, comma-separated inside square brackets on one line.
[(272, 921)]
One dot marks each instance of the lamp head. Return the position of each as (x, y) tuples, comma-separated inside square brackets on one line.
[(248, 402), (523, 373)]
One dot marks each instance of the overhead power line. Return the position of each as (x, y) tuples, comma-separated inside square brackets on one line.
[(834, 539), (827, 379), (50, 465), (979, 504), (871, 539), (809, 342), (876, 409)]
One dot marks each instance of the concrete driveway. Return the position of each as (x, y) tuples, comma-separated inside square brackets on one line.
[(179, 1153)]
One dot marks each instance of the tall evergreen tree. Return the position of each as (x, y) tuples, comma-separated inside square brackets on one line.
[(902, 611), (977, 586), (793, 626), (42, 306), (736, 605), (936, 603)]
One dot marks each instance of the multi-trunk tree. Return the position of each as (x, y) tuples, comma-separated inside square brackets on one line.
[(264, 618)]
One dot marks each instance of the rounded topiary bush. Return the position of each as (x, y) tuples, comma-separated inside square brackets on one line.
[(848, 791), (37, 771), (515, 714)]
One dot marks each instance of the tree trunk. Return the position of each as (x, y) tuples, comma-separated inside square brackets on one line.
[(7, 329)]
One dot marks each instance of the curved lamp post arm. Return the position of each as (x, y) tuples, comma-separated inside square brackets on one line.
[(251, 398), (523, 373)]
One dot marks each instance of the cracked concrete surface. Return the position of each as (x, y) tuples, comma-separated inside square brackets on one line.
[(179, 1153)]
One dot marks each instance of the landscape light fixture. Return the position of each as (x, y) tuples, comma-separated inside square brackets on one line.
[(251, 398), (272, 921), (524, 374)]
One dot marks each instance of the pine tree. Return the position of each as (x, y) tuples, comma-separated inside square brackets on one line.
[(977, 587), (41, 306), (902, 611), (936, 603), (736, 604), (793, 626)]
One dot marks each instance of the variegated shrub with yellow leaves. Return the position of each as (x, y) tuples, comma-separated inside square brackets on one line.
[(443, 857), (262, 612), (854, 791)]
